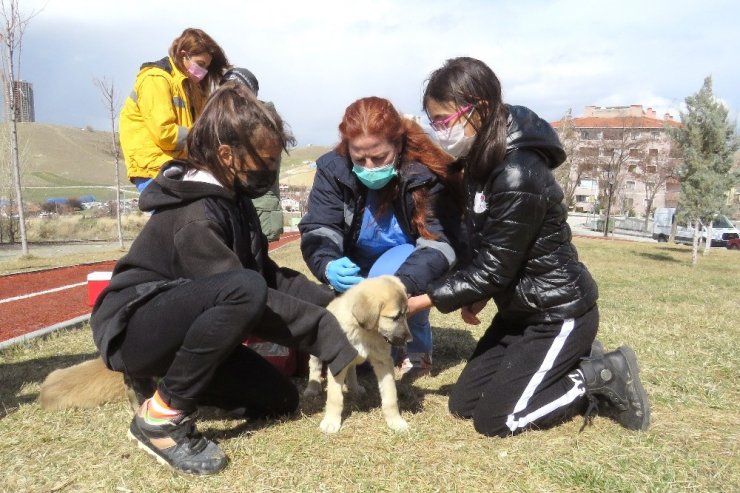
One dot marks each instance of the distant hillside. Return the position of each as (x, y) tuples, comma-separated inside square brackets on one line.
[(296, 170), (298, 155), (57, 155), (59, 161)]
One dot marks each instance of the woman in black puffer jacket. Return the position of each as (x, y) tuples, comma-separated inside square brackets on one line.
[(532, 367)]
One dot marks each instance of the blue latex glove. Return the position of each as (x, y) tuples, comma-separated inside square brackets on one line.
[(342, 274)]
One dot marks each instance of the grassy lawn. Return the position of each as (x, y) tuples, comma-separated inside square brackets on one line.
[(680, 321)]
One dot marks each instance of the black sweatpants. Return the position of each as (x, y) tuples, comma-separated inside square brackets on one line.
[(191, 336), (523, 376)]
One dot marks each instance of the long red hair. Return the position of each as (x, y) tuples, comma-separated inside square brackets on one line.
[(378, 117)]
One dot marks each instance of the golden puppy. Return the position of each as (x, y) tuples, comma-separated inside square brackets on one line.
[(373, 315)]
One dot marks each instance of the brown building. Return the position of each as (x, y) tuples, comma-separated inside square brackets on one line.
[(622, 151)]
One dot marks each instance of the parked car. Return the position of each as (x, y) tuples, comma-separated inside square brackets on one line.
[(733, 244)]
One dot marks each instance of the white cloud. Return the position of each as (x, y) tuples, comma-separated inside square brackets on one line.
[(313, 58)]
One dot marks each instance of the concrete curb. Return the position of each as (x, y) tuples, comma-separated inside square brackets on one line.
[(78, 321)]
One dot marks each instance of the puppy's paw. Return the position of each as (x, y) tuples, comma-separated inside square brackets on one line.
[(330, 424), (398, 424), (313, 389)]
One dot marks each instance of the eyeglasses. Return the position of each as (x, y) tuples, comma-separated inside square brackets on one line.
[(443, 123)]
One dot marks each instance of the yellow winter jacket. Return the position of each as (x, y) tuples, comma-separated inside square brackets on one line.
[(155, 119)]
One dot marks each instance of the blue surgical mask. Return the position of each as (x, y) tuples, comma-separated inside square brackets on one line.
[(374, 178)]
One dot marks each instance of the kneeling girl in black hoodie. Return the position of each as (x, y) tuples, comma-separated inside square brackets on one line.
[(198, 280)]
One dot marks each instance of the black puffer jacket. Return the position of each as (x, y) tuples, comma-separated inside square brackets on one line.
[(522, 254), (330, 228)]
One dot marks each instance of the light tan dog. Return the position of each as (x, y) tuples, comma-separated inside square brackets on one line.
[(87, 384), (373, 315)]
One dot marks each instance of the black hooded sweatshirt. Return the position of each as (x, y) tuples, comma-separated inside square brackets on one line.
[(197, 229), (522, 254)]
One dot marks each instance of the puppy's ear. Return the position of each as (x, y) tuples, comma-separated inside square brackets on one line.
[(366, 310)]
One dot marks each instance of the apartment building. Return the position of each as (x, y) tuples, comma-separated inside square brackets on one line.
[(24, 109), (622, 151)]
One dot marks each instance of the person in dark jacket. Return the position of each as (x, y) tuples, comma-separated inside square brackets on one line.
[(198, 281), (268, 206), (380, 205), (528, 370)]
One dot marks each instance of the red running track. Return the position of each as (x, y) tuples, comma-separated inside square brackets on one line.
[(21, 315)]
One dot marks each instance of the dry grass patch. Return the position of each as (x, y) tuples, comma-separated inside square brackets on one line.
[(81, 228), (679, 320)]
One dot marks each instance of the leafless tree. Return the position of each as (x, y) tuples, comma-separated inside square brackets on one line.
[(112, 105), (621, 147), (14, 25), (6, 190), (9, 223), (569, 173), (655, 170)]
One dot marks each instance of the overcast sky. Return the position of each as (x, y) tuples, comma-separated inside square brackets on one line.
[(313, 58)]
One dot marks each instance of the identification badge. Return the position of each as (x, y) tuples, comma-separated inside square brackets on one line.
[(479, 203)]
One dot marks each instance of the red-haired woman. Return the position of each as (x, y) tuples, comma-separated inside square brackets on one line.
[(381, 204)]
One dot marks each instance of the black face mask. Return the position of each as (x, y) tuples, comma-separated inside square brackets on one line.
[(258, 183)]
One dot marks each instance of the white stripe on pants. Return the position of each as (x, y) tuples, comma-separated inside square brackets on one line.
[(576, 391)]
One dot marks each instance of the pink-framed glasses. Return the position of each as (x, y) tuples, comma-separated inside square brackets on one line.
[(443, 123)]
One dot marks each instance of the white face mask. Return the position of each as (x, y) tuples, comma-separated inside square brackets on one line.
[(454, 141)]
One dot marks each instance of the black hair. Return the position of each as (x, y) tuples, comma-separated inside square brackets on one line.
[(464, 81)]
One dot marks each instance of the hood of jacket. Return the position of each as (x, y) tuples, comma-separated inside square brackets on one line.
[(165, 64), (526, 130), (170, 189)]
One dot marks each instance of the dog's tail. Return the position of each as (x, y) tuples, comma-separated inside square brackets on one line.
[(87, 384)]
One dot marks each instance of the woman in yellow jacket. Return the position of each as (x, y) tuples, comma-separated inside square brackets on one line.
[(168, 95)]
